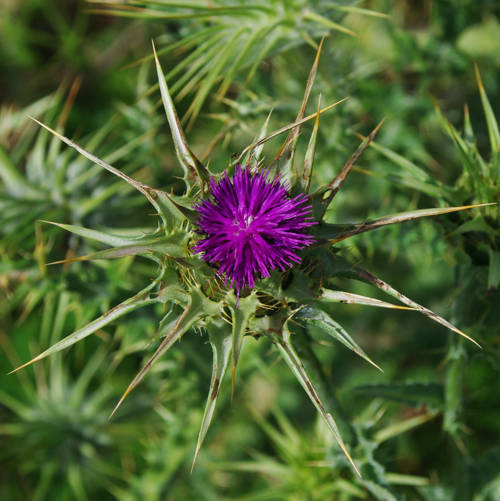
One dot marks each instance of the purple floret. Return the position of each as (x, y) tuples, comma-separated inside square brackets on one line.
[(251, 226)]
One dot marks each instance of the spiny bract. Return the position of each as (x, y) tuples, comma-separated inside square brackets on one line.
[(247, 206)]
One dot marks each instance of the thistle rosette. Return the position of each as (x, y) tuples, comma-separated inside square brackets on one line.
[(251, 226)]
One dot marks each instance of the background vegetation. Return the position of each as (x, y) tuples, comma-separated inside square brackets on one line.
[(429, 421)]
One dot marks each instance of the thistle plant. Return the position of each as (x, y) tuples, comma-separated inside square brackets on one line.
[(56, 439), (304, 466), (224, 251), (39, 181), (57, 184), (473, 241), (226, 40)]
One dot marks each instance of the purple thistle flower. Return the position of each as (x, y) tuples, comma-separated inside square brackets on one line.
[(251, 226)]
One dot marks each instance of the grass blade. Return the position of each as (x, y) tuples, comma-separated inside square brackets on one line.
[(491, 120)]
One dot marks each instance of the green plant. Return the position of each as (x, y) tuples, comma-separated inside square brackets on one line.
[(193, 296), (226, 41)]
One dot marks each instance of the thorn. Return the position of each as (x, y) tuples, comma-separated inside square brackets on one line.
[(24, 365), (196, 452)]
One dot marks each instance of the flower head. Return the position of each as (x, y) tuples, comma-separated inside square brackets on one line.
[(251, 226)]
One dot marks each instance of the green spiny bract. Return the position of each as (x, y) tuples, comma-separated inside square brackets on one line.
[(279, 307)]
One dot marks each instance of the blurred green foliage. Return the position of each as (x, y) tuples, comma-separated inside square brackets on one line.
[(427, 427)]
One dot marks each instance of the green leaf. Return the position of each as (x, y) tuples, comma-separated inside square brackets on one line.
[(216, 67), (415, 394), (380, 492), (285, 129), (305, 180), (313, 16), (15, 183), (402, 479), (348, 231), (171, 246), (350, 298), (198, 306), (358, 10), (324, 196), (494, 270), (220, 336), (290, 143), (282, 342), (311, 315), (491, 120), (242, 310), (147, 191), (400, 427), (477, 224), (141, 299), (368, 277), (99, 236)]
